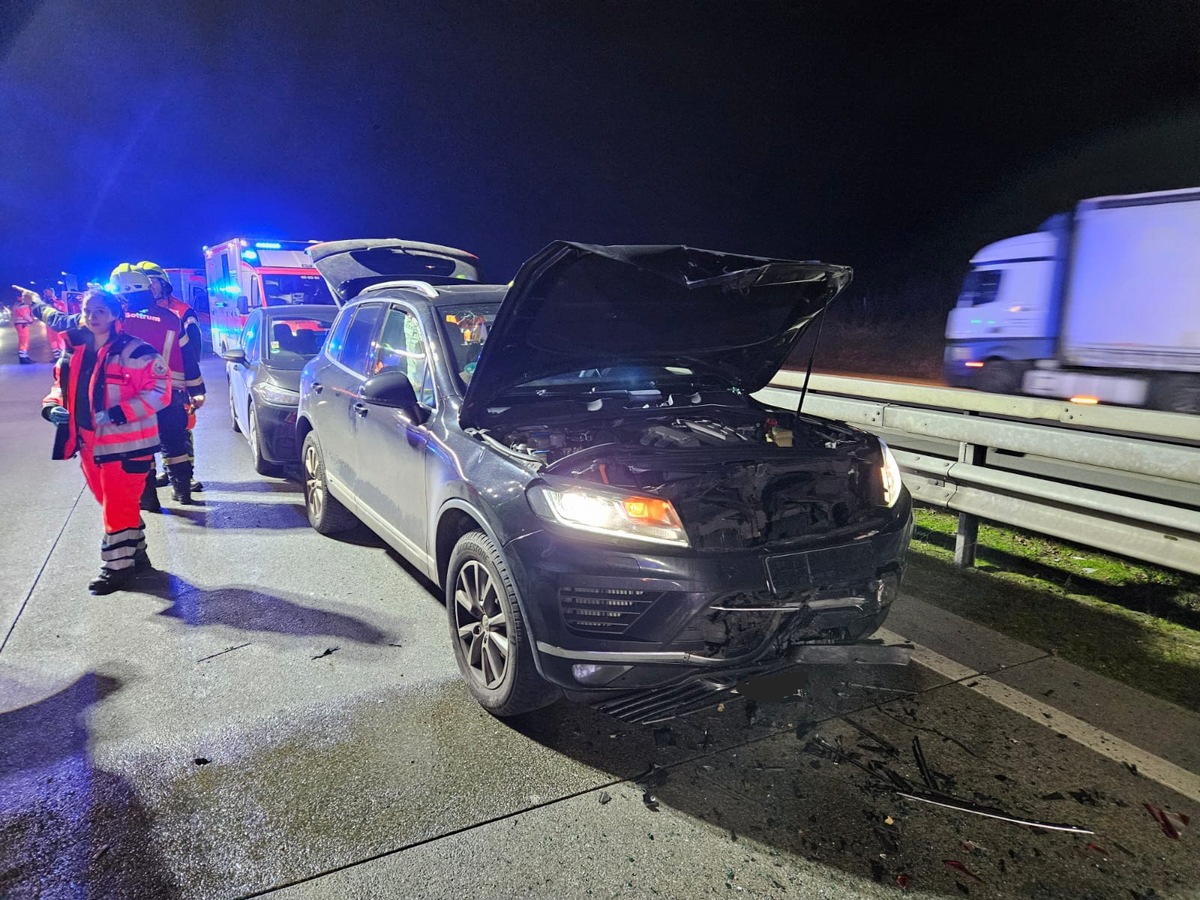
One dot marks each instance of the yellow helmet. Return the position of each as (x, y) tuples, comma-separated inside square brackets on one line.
[(132, 285), (128, 278), (154, 270)]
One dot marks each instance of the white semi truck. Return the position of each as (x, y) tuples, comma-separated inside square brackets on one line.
[(1101, 305)]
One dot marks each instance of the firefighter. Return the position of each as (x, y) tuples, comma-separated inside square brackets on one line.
[(163, 330), (22, 318), (54, 338), (107, 393), (160, 286)]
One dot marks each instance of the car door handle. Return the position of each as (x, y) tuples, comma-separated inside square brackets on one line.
[(361, 409), (317, 387)]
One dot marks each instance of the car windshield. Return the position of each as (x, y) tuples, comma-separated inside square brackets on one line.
[(466, 329), (290, 290), (294, 341)]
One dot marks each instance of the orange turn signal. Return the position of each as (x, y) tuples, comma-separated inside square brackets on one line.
[(651, 511)]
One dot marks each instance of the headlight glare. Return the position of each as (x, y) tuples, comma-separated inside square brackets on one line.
[(890, 474), (611, 513)]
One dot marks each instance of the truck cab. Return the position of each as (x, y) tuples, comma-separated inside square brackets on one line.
[(1007, 314)]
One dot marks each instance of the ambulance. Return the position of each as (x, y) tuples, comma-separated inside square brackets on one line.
[(245, 273), (189, 286)]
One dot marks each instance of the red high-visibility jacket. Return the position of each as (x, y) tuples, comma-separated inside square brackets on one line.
[(130, 382)]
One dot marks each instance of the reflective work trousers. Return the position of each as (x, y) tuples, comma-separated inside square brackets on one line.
[(173, 430), (55, 339), (117, 485), (22, 340)]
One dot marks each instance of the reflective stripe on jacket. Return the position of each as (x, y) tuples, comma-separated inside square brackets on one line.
[(130, 376)]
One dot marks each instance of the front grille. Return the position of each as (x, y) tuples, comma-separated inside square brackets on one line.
[(611, 611)]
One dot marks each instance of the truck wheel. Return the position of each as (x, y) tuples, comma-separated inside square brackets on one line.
[(1176, 393), (1001, 376), (325, 514), (491, 641)]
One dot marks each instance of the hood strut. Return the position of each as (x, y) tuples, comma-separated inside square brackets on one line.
[(811, 356)]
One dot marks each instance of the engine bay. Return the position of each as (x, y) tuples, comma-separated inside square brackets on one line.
[(738, 477)]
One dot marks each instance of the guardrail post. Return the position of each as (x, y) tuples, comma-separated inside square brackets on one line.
[(967, 538)]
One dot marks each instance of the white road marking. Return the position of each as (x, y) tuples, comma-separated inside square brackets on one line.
[(1180, 780)]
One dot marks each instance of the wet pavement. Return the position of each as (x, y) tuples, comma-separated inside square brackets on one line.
[(277, 712)]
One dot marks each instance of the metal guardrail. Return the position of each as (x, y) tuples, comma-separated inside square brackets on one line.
[(1122, 480)]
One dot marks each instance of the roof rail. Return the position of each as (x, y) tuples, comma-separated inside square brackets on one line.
[(424, 288)]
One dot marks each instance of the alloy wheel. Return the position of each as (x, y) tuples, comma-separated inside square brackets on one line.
[(314, 483), (481, 624)]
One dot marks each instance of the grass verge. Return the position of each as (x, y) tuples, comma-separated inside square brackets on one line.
[(1135, 623)]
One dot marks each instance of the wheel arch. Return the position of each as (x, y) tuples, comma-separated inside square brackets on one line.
[(456, 518)]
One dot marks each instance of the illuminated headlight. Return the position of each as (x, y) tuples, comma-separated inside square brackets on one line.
[(276, 395), (891, 476), (613, 513)]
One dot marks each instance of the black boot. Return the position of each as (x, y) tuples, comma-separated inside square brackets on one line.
[(163, 480), (181, 481), (149, 501), (141, 562), (110, 580)]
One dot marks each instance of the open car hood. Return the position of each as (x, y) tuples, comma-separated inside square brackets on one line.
[(349, 267), (575, 307)]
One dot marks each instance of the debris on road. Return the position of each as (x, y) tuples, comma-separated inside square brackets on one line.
[(959, 867), (201, 761), (989, 812), (605, 797), (329, 651), (655, 776), (222, 652), (1172, 823)]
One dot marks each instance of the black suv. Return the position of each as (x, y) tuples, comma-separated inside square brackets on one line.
[(577, 460)]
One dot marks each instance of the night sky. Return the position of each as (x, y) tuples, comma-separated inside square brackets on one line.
[(896, 138)]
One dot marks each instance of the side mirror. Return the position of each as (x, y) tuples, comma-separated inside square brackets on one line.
[(391, 388), (237, 355), (243, 305)]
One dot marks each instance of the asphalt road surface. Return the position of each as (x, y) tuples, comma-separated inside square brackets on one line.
[(272, 712)]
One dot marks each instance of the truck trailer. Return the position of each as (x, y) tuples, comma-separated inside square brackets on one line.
[(1100, 305), (246, 273)]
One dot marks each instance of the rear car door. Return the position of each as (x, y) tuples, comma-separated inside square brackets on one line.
[(344, 363)]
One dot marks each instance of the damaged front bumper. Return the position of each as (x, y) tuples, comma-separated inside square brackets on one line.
[(609, 621)]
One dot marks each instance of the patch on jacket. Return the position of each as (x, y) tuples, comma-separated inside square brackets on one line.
[(160, 367)]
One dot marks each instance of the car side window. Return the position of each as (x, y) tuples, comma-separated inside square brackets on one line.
[(402, 345), (358, 354), (337, 336), (250, 344)]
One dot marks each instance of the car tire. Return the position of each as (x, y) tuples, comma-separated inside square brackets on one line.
[(325, 514), (261, 465), (490, 637), (237, 429)]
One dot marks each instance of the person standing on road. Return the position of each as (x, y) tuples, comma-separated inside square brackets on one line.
[(162, 329), (107, 393), (161, 288), (54, 338), (22, 318)]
